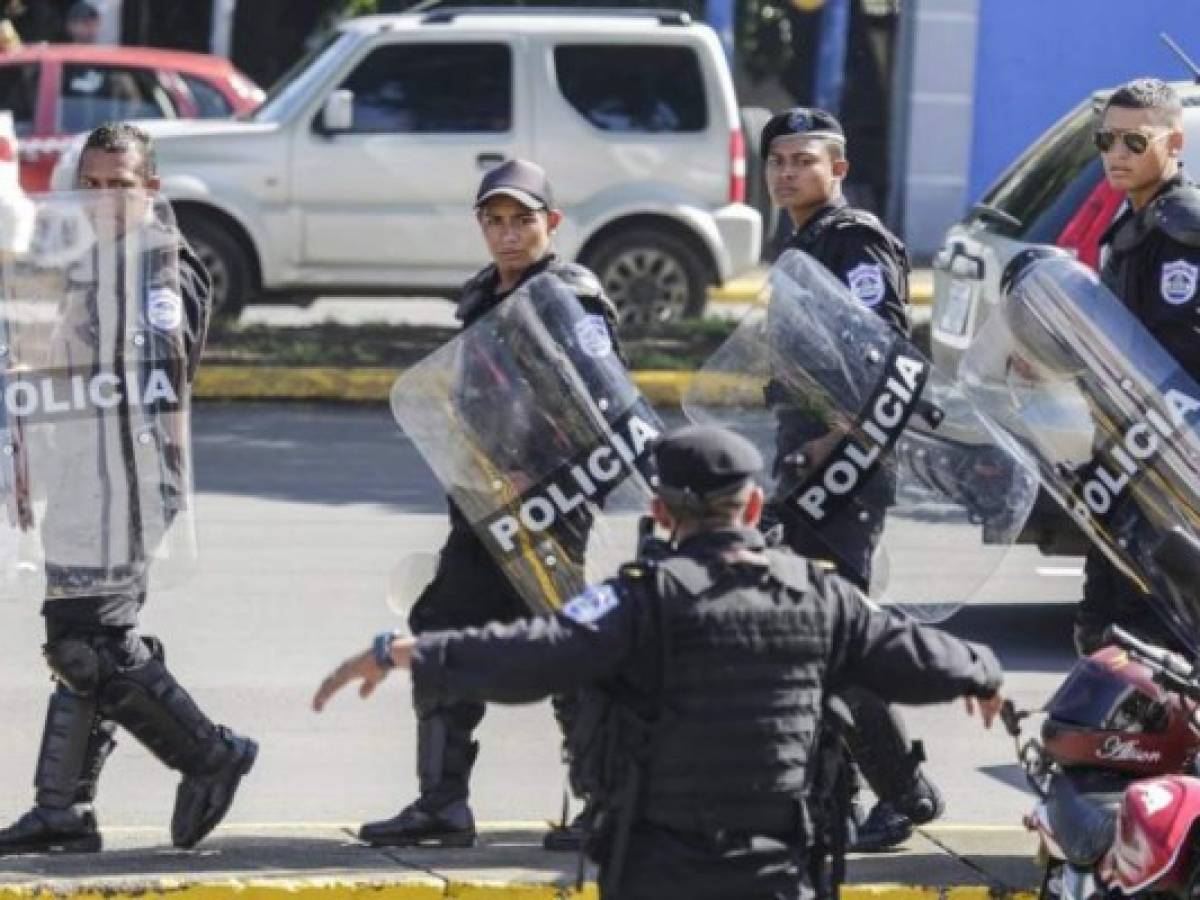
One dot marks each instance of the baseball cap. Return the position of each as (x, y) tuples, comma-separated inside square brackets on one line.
[(524, 181), (704, 462), (803, 120)]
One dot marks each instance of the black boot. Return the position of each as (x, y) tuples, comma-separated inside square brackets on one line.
[(445, 756), (149, 703), (891, 765), (449, 825), (891, 823), (59, 823)]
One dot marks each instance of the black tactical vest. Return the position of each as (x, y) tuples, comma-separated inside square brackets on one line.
[(747, 651)]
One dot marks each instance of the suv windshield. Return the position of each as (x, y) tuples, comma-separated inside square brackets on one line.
[(312, 69), (1036, 197)]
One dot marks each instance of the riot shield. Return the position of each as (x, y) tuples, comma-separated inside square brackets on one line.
[(95, 449), (876, 461), (533, 426), (1072, 380)]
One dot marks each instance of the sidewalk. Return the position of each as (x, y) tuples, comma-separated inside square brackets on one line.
[(327, 384), (941, 863)]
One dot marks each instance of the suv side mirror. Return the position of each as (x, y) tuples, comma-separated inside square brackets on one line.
[(338, 112)]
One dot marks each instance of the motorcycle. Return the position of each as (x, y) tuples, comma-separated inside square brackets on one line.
[(1115, 772), (1067, 378)]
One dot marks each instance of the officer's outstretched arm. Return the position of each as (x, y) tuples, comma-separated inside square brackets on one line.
[(901, 661), (520, 662)]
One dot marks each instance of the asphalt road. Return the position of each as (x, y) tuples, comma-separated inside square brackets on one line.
[(303, 514)]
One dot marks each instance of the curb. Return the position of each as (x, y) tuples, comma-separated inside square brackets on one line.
[(425, 889), (748, 288), (313, 384)]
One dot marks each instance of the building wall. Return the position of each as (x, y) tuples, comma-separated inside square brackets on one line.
[(1039, 58), (934, 121)]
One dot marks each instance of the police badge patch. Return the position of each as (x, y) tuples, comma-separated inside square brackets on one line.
[(866, 283), (1178, 284), (593, 337), (592, 605), (164, 309)]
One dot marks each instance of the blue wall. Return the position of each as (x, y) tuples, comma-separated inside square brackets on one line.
[(1038, 58)]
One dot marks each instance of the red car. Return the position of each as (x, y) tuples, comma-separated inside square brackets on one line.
[(58, 90)]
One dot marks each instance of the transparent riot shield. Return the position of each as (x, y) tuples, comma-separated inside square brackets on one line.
[(533, 426), (1070, 379), (95, 471), (877, 462)]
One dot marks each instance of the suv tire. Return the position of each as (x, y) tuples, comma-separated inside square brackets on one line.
[(225, 259), (651, 276)]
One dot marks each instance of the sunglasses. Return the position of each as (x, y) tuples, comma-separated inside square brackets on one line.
[(1134, 141)]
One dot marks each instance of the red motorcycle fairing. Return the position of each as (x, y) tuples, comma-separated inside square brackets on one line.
[(1154, 821), (1109, 713)]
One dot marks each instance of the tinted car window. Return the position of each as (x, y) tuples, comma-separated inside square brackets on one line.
[(92, 95), (433, 88), (18, 92), (1044, 188), (633, 89), (210, 102)]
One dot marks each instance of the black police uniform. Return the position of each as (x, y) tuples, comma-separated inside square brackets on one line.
[(873, 263), (690, 645), (468, 590), (108, 674), (1152, 263)]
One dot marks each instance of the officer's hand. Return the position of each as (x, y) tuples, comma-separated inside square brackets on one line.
[(362, 668), (814, 452), (989, 708)]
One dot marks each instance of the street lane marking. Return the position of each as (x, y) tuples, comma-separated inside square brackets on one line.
[(1059, 571)]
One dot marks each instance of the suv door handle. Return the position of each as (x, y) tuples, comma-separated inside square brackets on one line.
[(487, 161)]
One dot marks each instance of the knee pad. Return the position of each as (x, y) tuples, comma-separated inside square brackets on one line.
[(76, 664)]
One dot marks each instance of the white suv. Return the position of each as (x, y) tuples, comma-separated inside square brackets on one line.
[(357, 173)]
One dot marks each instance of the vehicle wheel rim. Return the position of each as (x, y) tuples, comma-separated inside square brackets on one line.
[(218, 272), (646, 285)]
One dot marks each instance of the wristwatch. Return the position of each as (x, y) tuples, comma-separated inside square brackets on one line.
[(381, 649)]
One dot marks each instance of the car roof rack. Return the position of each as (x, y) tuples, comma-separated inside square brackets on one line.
[(664, 16)]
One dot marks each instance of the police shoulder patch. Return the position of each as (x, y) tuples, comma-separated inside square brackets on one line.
[(592, 334), (164, 309), (592, 605), (1179, 281), (867, 283)]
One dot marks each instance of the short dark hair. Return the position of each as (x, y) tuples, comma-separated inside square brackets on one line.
[(1147, 93), (120, 137)]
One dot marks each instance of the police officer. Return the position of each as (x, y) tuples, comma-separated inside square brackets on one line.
[(1151, 260), (515, 210), (691, 645), (804, 152), (107, 673)]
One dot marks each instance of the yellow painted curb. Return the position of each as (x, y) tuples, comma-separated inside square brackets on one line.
[(430, 889), (365, 385), (304, 889), (749, 288), (293, 383)]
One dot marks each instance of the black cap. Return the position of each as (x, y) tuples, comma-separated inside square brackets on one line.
[(800, 120), (520, 179), (704, 462), (81, 10)]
